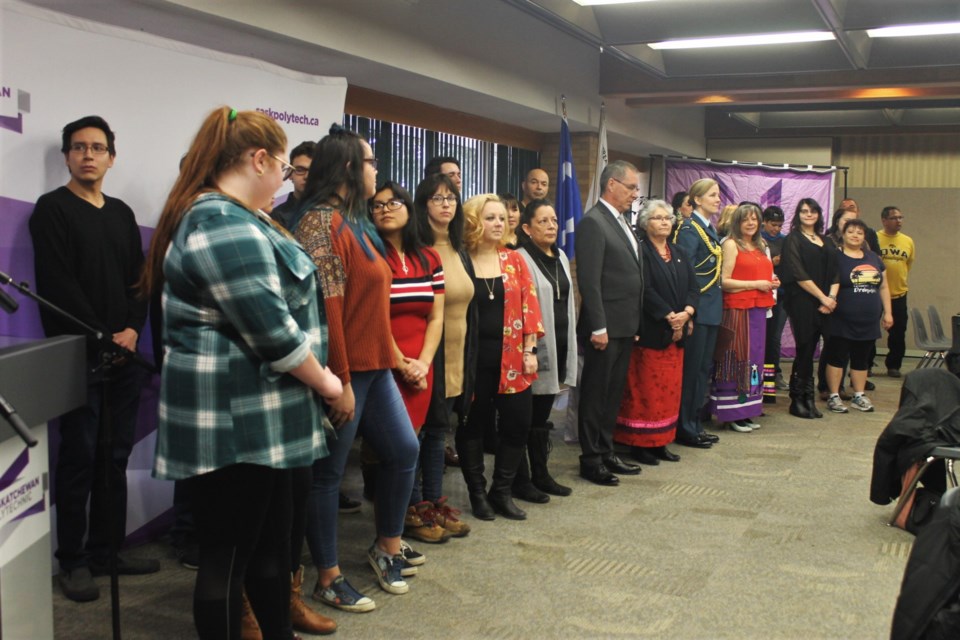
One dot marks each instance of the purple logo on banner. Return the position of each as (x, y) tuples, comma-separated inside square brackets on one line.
[(15, 123), (763, 185)]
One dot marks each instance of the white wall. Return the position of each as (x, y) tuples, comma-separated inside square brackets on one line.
[(478, 56), (815, 151)]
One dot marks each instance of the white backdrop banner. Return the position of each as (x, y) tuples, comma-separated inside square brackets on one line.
[(154, 93)]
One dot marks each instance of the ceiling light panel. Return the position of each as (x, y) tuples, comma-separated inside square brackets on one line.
[(759, 39), (913, 30)]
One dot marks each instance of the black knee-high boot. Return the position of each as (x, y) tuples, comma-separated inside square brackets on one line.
[(504, 471), (811, 394), (523, 489), (799, 405), (471, 465), (538, 446)]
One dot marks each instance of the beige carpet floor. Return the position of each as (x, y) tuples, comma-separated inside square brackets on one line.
[(768, 535)]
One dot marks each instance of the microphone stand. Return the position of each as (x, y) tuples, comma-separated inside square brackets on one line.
[(111, 356)]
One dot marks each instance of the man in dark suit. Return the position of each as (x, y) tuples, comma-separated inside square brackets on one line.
[(698, 240), (610, 278)]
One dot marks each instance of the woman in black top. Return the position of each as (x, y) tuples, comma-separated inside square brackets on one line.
[(556, 349), (808, 267)]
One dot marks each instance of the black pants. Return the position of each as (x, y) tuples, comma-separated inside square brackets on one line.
[(775, 324), (243, 515), (514, 410), (542, 406), (81, 469), (896, 336), (604, 378)]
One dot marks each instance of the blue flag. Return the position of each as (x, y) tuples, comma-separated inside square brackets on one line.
[(569, 206)]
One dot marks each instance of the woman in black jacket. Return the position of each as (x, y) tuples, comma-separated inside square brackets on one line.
[(809, 278), (647, 421)]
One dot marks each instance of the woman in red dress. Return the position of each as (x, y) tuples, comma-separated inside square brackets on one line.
[(416, 321), (651, 401)]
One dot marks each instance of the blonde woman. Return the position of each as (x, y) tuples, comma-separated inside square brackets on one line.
[(509, 326)]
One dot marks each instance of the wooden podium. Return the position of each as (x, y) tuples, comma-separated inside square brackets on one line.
[(41, 379)]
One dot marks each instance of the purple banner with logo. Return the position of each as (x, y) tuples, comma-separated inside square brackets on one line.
[(763, 185)]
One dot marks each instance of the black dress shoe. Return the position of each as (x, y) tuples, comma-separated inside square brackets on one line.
[(614, 463), (598, 474), (665, 454), (700, 442), (645, 455), (712, 438)]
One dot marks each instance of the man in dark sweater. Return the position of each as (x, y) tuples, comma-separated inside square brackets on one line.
[(88, 258), (772, 223), (300, 158)]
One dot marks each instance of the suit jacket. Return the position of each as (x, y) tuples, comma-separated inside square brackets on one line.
[(669, 287), (928, 417), (706, 266), (609, 276)]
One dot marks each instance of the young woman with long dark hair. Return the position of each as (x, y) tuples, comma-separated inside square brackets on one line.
[(335, 229)]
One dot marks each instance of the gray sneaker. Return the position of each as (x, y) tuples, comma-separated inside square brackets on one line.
[(835, 404), (862, 403)]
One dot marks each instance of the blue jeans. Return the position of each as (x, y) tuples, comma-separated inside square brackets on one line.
[(382, 419), (430, 466)]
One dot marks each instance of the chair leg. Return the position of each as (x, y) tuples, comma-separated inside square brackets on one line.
[(907, 494)]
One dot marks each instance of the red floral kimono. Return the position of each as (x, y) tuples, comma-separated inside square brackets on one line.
[(521, 316)]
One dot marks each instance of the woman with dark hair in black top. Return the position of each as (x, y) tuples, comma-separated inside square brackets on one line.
[(808, 268)]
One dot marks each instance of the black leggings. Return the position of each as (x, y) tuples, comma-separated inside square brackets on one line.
[(839, 350), (243, 514)]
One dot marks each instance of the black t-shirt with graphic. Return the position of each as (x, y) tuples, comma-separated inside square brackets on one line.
[(859, 308)]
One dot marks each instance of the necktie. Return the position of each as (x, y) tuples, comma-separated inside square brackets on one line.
[(626, 228)]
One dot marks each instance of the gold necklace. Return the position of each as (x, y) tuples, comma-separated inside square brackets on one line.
[(403, 262)]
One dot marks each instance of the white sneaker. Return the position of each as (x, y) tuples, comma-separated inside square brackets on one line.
[(862, 403), (740, 427)]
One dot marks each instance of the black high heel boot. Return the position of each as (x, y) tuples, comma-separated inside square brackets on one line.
[(799, 405)]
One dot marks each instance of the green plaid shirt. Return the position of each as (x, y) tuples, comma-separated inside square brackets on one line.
[(239, 310)]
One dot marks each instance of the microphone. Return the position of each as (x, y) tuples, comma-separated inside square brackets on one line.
[(8, 412), (7, 303)]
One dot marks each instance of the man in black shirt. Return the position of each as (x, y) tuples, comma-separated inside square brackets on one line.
[(88, 258), (301, 157)]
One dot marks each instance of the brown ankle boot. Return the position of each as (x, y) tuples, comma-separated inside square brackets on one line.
[(303, 617), (428, 530), (249, 627), (447, 517)]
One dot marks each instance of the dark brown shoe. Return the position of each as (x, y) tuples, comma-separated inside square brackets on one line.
[(450, 457)]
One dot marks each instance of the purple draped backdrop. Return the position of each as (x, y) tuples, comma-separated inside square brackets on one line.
[(763, 185)]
